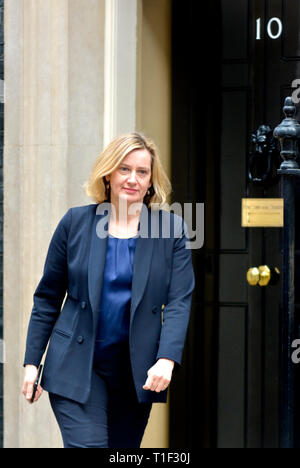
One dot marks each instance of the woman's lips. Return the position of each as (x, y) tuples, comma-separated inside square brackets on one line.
[(130, 190)]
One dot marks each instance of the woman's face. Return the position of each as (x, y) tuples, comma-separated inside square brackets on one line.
[(132, 178)]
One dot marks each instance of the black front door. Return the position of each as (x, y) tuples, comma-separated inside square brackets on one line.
[(228, 394)]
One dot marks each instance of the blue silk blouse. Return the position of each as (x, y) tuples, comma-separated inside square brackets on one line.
[(114, 314)]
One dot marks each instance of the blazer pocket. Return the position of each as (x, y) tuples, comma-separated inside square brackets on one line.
[(59, 343), (62, 333)]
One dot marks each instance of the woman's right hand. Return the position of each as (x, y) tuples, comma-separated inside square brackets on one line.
[(30, 377)]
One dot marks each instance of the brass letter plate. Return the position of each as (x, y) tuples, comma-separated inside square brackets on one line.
[(262, 212)]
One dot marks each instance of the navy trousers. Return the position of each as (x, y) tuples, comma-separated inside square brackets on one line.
[(112, 417)]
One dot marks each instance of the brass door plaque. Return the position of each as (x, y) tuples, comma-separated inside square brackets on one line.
[(262, 212)]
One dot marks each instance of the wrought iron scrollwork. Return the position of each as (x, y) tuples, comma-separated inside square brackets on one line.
[(264, 157)]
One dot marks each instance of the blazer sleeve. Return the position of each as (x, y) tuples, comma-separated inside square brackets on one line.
[(49, 294), (177, 310)]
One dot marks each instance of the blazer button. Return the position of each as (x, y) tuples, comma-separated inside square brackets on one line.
[(155, 309), (83, 305), (80, 339)]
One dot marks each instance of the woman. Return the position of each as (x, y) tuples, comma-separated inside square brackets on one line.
[(129, 281)]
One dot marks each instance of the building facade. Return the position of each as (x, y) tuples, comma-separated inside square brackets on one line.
[(207, 81)]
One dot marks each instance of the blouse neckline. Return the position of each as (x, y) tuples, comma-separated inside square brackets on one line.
[(124, 238)]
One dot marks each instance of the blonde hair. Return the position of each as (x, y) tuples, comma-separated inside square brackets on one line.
[(111, 157)]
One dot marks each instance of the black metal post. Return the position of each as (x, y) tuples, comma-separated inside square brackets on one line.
[(288, 133)]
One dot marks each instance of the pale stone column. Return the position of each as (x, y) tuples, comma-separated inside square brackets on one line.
[(120, 67), (54, 65)]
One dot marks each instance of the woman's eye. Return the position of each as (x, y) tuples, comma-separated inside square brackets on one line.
[(124, 169)]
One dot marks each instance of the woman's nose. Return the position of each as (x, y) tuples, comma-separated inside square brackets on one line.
[(132, 177)]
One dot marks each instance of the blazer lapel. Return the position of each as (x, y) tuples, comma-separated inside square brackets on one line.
[(96, 263), (97, 255), (141, 268)]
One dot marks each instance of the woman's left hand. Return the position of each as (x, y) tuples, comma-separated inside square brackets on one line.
[(159, 375)]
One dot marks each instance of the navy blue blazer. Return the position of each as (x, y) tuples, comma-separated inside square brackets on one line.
[(162, 286)]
